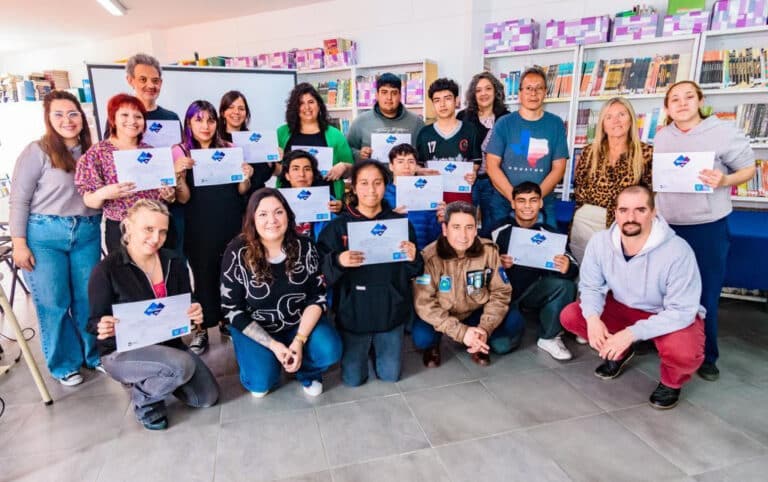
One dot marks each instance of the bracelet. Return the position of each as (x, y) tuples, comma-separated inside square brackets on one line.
[(301, 338)]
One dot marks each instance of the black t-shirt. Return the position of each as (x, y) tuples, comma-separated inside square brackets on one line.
[(299, 139), (161, 114), (461, 146)]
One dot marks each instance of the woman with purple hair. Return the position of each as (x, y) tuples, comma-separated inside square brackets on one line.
[(213, 214)]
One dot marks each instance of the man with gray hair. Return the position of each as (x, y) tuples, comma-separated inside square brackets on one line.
[(144, 75)]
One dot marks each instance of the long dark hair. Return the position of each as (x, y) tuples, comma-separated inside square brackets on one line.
[(292, 109), (52, 144), (255, 253), (317, 178), (227, 100), (195, 109), (352, 199), (498, 95)]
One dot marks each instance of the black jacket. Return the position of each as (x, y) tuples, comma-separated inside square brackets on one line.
[(521, 277), (372, 298), (473, 119), (116, 279)]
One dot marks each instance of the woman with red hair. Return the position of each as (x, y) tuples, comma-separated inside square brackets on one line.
[(96, 175)]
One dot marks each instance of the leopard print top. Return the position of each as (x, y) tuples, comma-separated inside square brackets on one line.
[(602, 189)]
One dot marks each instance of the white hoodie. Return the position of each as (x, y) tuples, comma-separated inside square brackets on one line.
[(663, 278)]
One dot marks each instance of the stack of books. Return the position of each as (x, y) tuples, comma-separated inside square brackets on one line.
[(641, 75), (559, 81), (335, 93), (742, 68), (648, 124), (758, 185)]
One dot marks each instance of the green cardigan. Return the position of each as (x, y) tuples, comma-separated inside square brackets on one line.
[(333, 138)]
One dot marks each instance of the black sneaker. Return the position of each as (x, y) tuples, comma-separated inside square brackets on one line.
[(664, 397), (160, 424), (199, 344), (613, 368), (708, 371)]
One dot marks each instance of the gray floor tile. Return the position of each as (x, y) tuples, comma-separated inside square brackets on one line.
[(742, 358), (518, 361), (539, 397), (416, 376), (237, 403), (600, 449), (81, 465), (752, 471), (324, 476), (12, 420), (509, 457), (460, 412), (580, 353), (279, 446), (420, 466), (691, 438), (359, 431), (334, 391), (631, 388), (180, 417)]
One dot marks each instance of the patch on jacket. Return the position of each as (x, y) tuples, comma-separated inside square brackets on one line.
[(445, 284), (424, 279), (503, 275)]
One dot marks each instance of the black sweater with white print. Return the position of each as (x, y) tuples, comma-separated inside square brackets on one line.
[(275, 306)]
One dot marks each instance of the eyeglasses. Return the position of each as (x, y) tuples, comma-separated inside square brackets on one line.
[(71, 115), (534, 90)]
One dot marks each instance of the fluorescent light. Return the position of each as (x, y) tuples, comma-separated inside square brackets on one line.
[(113, 6)]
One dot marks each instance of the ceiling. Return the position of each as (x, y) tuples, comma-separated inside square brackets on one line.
[(34, 24)]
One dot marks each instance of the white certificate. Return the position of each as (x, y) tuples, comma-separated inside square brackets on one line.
[(419, 193), (147, 168), (258, 146), (145, 323), (309, 204), (383, 143), (536, 249), (453, 174), (162, 133), (217, 166), (679, 171), (324, 156), (379, 241)]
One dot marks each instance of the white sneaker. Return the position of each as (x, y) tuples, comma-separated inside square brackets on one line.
[(259, 394), (315, 389), (581, 341), (100, 368), (555, 347), (71, 379)]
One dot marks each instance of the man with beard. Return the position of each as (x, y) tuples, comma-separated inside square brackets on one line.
[(639, 281)]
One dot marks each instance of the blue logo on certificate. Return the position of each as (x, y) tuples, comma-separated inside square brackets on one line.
[(180, 331), (314, 152), (379, 229), (398, 255), (218, 156), (538, 238), (432, 205), (700, 187), (271, 157), (166, 181), (420, 183), (321, 216), (681, 161), (154, 309), (463, 188), (549, 264), (304, 195), (156, 127), (255, 137), (236, 177), (450, 167), (391, 139), (144, 157)]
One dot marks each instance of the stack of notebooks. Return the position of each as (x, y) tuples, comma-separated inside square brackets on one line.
[(741, 68), (641, 75)]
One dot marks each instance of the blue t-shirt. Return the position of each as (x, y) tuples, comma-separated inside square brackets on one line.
[(527, 148)]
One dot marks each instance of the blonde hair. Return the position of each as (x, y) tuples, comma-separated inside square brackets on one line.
[(600, 144), (148, 204)]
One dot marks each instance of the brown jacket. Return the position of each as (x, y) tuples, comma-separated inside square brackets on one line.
[(444, 305)]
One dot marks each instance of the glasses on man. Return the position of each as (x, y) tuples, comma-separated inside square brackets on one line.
[(71, 115), (530, 89)]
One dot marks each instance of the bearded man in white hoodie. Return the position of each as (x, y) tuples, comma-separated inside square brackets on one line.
[(639, 281)]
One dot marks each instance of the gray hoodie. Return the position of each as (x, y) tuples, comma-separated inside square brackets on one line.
[(732, 152), (374, 121), (663, 278)]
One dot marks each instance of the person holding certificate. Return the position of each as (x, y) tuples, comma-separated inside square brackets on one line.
[(307, 124), (234, 115), (300, 170), (463, 293), (700, 218), (274, 296), (614, 160), (543, 291), (214, 215), (96, 174), (141, 270), (374, 300), (56, 237)]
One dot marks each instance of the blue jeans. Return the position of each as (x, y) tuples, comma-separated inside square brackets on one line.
[(388, 348), (260, 370), (66, 249), (710, 243), (482, 194), (504, 338)]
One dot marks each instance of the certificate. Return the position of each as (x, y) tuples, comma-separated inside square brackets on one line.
[(379, 241), (147, 168), (536, 249), (258, 146), (324, 156), (217, 166), (144, 323), (383, 143), (419, 193), (162, 133), (309, 204), (679, 171), (453, 174)]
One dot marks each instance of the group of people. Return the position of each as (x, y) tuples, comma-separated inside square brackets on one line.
[(295, 298)]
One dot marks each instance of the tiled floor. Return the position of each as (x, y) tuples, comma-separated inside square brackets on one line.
[(526, 417)]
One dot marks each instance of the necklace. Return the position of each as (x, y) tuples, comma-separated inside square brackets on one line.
[(152, 270)]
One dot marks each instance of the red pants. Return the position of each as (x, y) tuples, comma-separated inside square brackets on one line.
[(681, 352)]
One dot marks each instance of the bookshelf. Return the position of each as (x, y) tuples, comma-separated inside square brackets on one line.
[(336, 85)]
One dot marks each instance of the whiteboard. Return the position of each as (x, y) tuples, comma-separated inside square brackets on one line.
[(266, 90)]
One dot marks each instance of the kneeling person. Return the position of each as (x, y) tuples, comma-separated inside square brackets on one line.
[(464, 292), (640, 281)]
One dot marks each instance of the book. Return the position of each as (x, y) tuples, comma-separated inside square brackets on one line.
[(640, 75), (735, 68)]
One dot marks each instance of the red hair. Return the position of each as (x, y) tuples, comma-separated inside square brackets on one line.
[(123, 100)]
